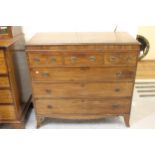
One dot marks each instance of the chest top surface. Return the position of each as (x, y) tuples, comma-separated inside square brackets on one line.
[(81, 38)]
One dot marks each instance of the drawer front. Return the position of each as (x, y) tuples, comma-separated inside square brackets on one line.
[(81, 90), (7, 112), (3, 68), (5, 96), (82, 74), (4, 82), (45, 59), (84, 59), (82, 106), (119, 59)]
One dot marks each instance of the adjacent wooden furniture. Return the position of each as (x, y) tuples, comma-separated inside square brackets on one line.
[(15, 88), (82, 75)]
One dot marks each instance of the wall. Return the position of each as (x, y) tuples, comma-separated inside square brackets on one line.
[(87, 27), (149, 33)]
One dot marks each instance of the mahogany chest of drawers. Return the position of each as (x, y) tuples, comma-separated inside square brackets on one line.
[(82, 75), (15, 88)]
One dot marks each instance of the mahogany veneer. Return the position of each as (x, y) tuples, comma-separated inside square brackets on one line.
[(82, 75)]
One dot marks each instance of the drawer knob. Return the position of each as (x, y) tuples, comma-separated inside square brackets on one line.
[(53, 60), (92, 58), (73, 59), (45, 74), (119, 75), (113, 59), (115, 106), (49, 106), (37, 60), (48, 91), (117, 90)]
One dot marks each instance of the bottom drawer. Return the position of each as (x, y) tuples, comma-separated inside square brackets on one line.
[(7, 112), (82, 106)]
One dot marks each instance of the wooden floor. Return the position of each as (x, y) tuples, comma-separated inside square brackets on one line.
[(146, 69)]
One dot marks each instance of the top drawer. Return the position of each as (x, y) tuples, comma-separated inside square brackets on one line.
[(45, 59), (82, 59), (3, 68), (120, 59)]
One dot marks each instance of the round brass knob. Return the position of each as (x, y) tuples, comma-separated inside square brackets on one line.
[(37, 60), (45, 74), (73, 59), (48, 91), (119, 74), (53, 60), (92, 58), (49, 106), (117, 90), (113, 59)]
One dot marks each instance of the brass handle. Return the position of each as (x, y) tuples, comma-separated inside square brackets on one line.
[(117, 90), (53, 60), (48, 91), (49, 106), (84, 68), (119, 74), (92, 58), (37, 60), (115, 106), (73, 59), (82, 85), (45, 74), (113, 59)]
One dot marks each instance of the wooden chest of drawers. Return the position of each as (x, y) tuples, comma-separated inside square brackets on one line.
[(15, 92), (82, 75)]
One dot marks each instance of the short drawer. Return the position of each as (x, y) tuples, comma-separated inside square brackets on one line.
[(45, 59), (4, 82), (67, 74), (84, 59), (3, 68), (82, 90), (5, 96), (120, 59), (82, 106), (7, 112)]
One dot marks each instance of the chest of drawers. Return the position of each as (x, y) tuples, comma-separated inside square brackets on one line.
[(15, 93), (82, 75)]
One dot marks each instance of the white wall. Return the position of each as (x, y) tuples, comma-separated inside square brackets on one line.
[(29, 31), (81, 15)]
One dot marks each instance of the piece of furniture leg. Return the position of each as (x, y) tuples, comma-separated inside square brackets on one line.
[(40, 119), (127, 120)]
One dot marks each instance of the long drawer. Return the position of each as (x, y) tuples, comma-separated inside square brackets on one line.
[(81, 59), (64, 74), (120, 59), (45, 59), (82, 90), (82, 106), (4, 82), (6, 96), (7, 112)]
